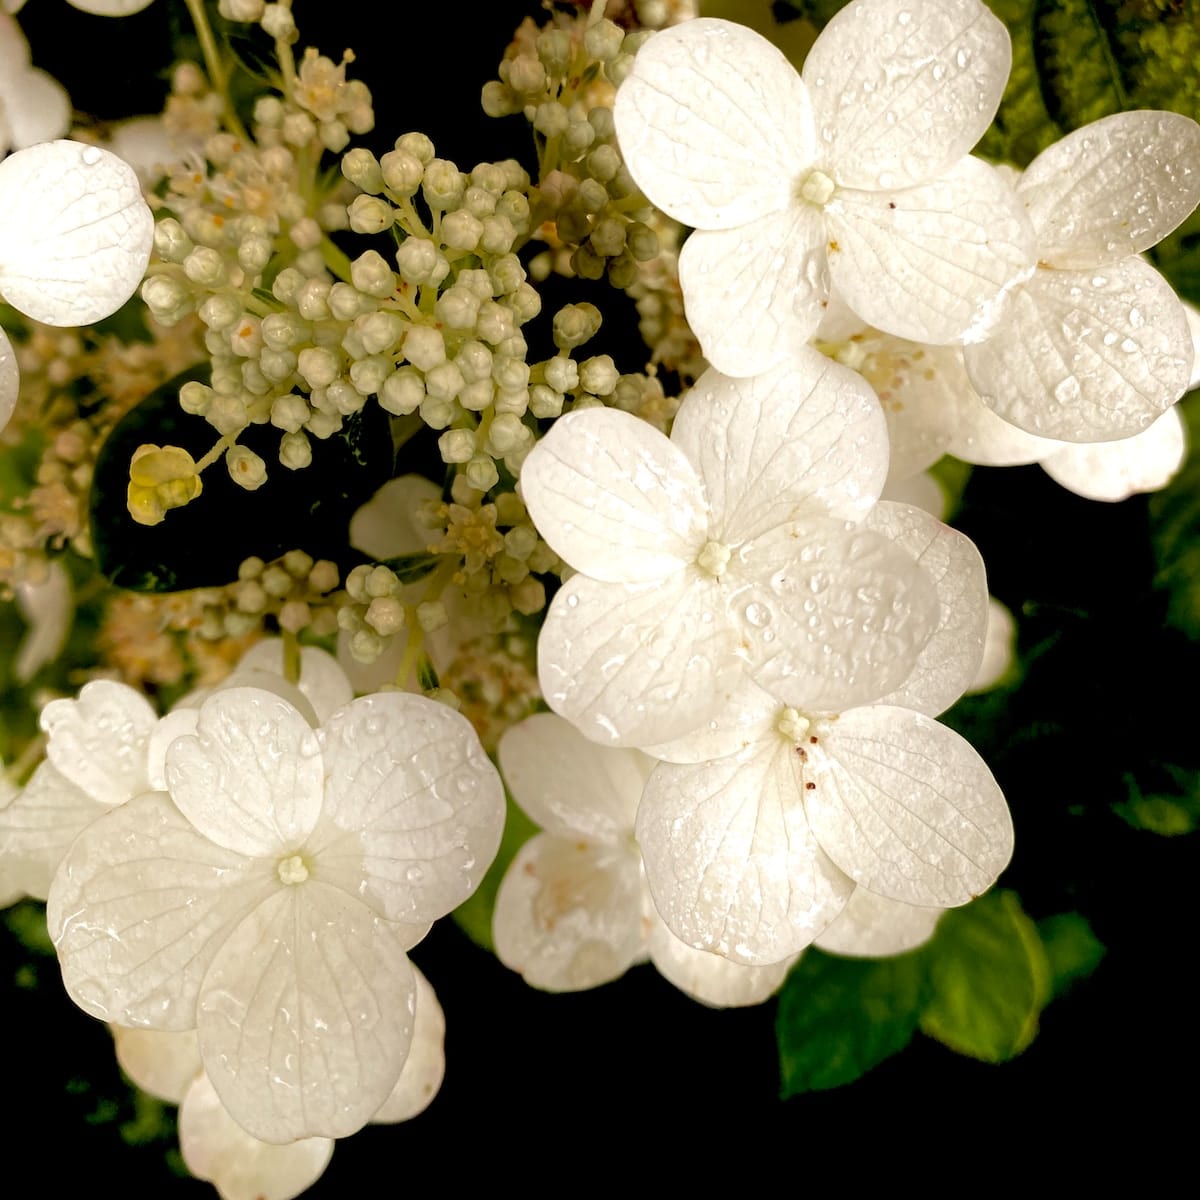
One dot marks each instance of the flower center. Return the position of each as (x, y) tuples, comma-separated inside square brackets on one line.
[(713, 558), (817, 188), (292, 869), (793, 725)]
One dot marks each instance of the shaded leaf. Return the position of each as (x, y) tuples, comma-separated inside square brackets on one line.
[(990, 979), (1170, 808), (307, 509), (1175, 532), (839, 1017), (1077, 62), (1072, 949)]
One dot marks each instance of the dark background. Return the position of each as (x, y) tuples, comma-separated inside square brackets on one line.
[(597, 1080)]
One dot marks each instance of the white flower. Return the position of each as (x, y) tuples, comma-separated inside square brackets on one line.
[(76, 234), (216, 1148), (737, 541), (34, 107), (855, 172), (758, 826), (873, 927), (108, 745), (573, 911), (268, 901), (999, 648), (1096, 346)]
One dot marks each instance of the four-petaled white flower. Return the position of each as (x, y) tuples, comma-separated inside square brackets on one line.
[(757, 826), (216, 1148), (856, 171), (269, 899), (1095, 345), (573, 910), (737, 542)]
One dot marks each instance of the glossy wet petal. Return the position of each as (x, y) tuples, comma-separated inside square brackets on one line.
[(804, 438), (730, 859), (930, 263), (714, 124), (902, 89), (634, 664), (306, 1015), (423, 1069), (907, 808), (251, 778), (140, 905)]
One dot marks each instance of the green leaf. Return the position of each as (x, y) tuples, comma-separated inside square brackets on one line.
[(202, 544), (1175, 532), (1081, 77), (1072, 949), (1023, 127), (990, 979), (474, 916), (1172, 806), (839, 1017)]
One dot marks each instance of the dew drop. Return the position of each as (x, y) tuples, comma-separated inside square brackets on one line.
[(91, 156), (757, 614)]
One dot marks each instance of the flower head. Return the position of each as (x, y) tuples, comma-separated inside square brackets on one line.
[(269, 899), (854, 171)]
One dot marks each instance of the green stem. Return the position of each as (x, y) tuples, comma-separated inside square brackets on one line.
[(291, 657), (218, 76)]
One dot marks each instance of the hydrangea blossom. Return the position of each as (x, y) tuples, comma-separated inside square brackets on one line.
[(268, 900), (757, 827), (217, 1149), (736, 541), (855, 171), (1095, 345), (573, 910), (108, 745)]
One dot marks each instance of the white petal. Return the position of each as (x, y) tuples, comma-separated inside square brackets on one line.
[(999, 648), (413, 809), (76, 236), (567, 784), (901, 89), (730, 859), (1113, 188), (614, 498), (748, 716), (950, 659), (805, 438), (110, 8), (921, 491), (388, 525), (37, 827), (14, 48), (10, 379), (930, 263), (217, 1149), (1193, 319), (919, 389), (251, 778), (568, 913), (1116, 470), (872, 927), (151, 149), (306, 1015), (36, 109), (988, 440), (99, 740), (833, 615), (47, 607), (139, 907), (322, 681), (754, 293), (710, 978), (907, 808), (713, 123), (162, 1064), (1086, 356), (635, 664), (423, 1069)]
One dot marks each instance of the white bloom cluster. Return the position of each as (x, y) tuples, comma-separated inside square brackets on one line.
[(745, 608)]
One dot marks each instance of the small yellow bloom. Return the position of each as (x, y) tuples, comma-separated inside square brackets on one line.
[(160, 478)]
